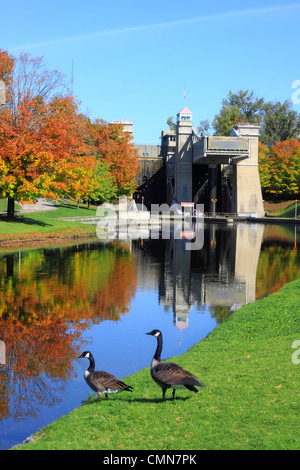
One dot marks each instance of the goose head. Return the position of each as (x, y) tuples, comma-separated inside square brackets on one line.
[(155, 333), (87, 354)]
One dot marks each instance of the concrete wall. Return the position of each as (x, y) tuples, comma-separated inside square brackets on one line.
[(184, 162), (247, 195), (151, 162), (151, 179)]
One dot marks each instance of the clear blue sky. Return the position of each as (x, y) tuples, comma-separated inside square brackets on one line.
[(132, 59)]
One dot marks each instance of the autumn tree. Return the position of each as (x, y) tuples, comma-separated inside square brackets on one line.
[(115, 148), (30, 78), (6, 67), (43, 151), (279, 169)]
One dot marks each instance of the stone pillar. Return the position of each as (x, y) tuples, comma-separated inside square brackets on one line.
[(247, 194), (184, 157)]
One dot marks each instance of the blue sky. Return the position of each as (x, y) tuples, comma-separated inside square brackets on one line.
[(133, 59)]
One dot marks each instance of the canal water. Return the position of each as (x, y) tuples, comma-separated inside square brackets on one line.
[(104, 296)]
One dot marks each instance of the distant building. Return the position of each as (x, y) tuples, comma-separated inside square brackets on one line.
[(127, 125), (2, 93)]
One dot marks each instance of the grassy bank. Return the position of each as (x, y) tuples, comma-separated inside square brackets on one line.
[(46, 224), (251, 399), (282, 209)]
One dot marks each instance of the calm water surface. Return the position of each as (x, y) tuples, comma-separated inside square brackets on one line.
[(104, 297)]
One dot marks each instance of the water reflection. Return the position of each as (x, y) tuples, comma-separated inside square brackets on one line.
[(221, 274), (50, 298), (47, 299)]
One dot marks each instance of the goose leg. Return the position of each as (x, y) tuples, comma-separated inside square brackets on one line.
[(173, 394)]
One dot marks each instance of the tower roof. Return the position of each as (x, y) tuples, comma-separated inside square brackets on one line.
[(185, 110)]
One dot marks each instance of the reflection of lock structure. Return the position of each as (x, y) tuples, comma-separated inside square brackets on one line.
[(2, 353)]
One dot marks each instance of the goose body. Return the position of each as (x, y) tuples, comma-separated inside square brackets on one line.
[(170, 375), (102, 382)]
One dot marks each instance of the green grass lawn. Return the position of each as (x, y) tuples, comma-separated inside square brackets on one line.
[(289, 212), (282, 209), (251, 399), (47, 222), (3, 205)]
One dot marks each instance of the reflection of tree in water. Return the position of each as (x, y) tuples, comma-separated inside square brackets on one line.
[(47, 299), (219, 312), (277, 266), (39, 362)]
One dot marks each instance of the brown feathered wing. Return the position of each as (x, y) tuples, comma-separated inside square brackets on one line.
[(173, 374), (100, 380)]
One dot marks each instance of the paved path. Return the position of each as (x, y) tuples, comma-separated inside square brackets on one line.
[(40, 205)]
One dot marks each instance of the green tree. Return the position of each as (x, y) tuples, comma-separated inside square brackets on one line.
[(242, 106), (102, 187), (250, 107), (225, 120), (280, 123), (171, 123), (203, 127)]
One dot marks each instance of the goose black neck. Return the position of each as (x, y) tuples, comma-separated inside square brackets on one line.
[(91, 367), (158, 351)]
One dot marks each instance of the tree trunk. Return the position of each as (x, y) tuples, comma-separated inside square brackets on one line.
[(10, 208)]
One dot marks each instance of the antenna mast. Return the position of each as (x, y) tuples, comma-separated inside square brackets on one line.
[(72, 81)]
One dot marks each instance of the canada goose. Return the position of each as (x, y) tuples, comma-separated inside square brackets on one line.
[(100, 381), (168, 374)]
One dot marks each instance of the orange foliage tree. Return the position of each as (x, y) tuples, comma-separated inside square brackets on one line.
[(43, 150), (6, 67), (279, 169), (115, 148), (48, 149)]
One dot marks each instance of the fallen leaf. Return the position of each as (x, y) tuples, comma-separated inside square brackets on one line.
[(278, 386)]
